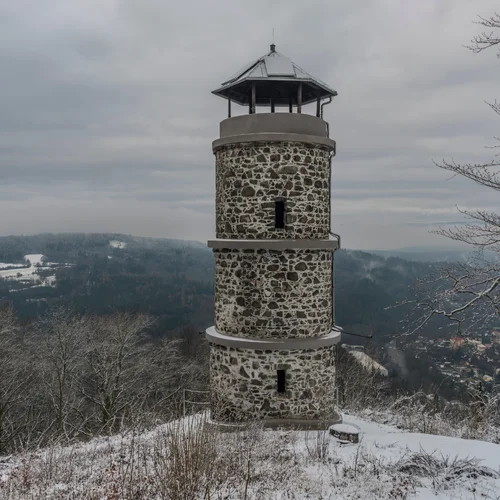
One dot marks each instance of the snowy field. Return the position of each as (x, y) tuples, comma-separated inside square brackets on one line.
[(187, 459), (29, 273), (117, 244)]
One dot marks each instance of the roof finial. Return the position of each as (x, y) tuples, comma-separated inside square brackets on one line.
[(273, 47)]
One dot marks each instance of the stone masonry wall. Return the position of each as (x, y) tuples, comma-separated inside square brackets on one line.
[(273, 294), (251, 177), (244, 383)]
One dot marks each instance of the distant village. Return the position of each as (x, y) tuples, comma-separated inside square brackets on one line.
[(468, 360)]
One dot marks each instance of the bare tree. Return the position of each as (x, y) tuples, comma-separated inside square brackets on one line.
[(486, 39), (59, 339), (168, 372), (113, 344), (14, 378), (468, 294), (68, 376)]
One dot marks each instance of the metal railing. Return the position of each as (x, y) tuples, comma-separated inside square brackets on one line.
[(184, 400)]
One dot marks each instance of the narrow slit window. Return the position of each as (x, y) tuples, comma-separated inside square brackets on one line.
[(281, 381), (279, 214)]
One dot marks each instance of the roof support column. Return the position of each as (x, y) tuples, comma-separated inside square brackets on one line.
[(252, 99), (229, 107), (290, 105), (299, 99), (318, 105)]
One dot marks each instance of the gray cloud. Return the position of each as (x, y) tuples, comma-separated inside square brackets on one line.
[(107, 117)]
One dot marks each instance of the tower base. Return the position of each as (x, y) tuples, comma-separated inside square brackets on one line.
[(278, 423)]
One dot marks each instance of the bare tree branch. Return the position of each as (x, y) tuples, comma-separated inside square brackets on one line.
[(486, 40), (466, 294)]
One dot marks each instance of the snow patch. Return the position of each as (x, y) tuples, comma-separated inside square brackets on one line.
[(344, 428), (4, 265), (369, 363), (35, 259), (117, 244), (33, 273)]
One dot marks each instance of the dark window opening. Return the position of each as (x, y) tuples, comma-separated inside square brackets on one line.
[(281, 381), (279, 214)]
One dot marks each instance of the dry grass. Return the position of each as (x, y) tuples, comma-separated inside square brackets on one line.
[(183, 460), (443, 471), (190, 460), (318, 446)]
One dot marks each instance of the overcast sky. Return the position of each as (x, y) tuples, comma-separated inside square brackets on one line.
[(106, 115)]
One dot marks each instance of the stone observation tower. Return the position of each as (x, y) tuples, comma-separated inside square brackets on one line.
[(273, 343)]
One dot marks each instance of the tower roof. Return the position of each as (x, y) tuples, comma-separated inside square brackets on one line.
[(276, 76)]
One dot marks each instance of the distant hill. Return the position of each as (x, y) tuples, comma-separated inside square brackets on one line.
[(100, 273), (173, 280), (428, 254), (367, 285)]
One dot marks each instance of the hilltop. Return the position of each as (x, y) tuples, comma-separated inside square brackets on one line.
[(186, 459)]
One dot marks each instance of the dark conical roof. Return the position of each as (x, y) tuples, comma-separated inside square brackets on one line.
[(277, 76)]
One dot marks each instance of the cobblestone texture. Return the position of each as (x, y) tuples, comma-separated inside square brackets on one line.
[(273, 294), (269, 293), (251, 177), (244, 384)]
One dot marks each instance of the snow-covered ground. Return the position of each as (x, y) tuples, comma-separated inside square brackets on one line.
[(393, 445), (117, 244), (258, 464), (4, 265), (28, 273), (369, 362)]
